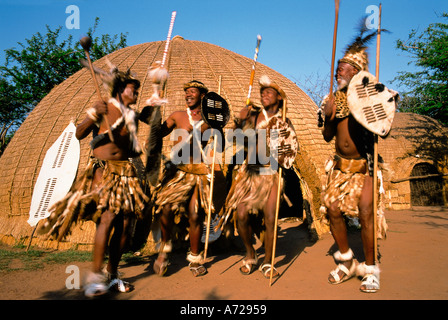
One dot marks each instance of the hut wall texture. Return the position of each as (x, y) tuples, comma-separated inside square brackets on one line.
[(188, 60), (414, 139)]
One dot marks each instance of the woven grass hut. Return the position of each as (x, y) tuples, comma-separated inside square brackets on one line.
[(188, 60), (416, 152)]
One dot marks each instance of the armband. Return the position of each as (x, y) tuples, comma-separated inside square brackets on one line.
[(91, 113)]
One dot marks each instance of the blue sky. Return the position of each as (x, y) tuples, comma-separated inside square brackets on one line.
[(297, 35)]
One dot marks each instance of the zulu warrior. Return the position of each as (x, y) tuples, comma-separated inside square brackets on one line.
[(251, 202), (109, 190), (348, 189), (184, 189)]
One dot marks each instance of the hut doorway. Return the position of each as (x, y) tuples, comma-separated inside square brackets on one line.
[(292, 206), (426, 186)]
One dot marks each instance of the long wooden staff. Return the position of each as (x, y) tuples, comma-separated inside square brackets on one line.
[(154, 142), (212, 183), (86, 42), (375, 148), (252, 73), (277, 206), (333, 54)]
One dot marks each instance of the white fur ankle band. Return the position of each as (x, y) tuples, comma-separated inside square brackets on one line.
[(194, 258), (347, 256)]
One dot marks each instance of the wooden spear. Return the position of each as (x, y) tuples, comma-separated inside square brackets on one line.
[(375, 148), (277, 205), (86, 42), (252, 73), (333, 53), (212, 183)]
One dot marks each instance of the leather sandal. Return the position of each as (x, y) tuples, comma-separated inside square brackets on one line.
[(265, 269), (120, 286), (347, 273), (250, 264), (371, 278)]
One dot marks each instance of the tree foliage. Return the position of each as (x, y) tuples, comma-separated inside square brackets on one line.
[(39, 64), (428, 93)]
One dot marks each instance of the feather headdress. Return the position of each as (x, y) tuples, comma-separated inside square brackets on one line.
[(356, 52), (113, 80)]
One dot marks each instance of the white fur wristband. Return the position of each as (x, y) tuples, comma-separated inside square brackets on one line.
[(91, 113)]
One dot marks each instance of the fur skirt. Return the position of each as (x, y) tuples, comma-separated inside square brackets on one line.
[(344, 182), (177, 187), (120, 191), (252, 188)]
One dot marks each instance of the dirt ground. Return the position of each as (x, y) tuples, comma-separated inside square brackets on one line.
[(413, 263)]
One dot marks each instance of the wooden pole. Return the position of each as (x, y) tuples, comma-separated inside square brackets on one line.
[(212, 183), (31, 237), (333, 53), (375, 149), (86, 42), (277, 206), (320, 122), (209, 214)]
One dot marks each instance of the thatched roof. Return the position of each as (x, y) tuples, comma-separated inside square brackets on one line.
[(188, 60)]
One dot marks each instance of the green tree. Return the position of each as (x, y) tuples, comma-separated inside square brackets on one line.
[(37, 66), (428, 93)]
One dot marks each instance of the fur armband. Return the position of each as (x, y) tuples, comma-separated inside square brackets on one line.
[(91, 113)]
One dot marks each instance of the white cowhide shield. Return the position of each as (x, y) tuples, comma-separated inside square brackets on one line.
[(282, 141), (371, 103)]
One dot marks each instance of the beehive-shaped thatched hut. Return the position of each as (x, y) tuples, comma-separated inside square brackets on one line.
[(416, 152), (187, 60)]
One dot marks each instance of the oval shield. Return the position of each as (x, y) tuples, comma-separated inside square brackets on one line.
[(215, 110), (371, 103), (282, 141)]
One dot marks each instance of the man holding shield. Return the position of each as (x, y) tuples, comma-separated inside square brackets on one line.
[(184, 189), (252, 199), (109, 192), (348, 189)]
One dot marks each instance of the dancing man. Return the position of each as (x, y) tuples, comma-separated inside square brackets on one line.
[(251, 202), (109, 191), (349, 185), (185, 188)]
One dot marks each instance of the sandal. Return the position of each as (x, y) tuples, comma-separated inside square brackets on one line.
[(115, 283), (265, 269), (121, 286), (250, 265), (160, 268), (371, 278), (348, 273), (197, 269), (96, 285), (195, 265)]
